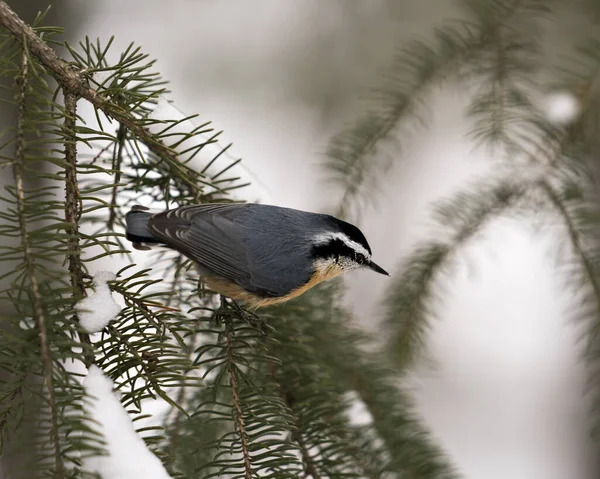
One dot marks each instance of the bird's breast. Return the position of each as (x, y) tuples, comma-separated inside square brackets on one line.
[(322, 272)]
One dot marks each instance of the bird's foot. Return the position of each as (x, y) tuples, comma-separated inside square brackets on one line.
[(230, 308)]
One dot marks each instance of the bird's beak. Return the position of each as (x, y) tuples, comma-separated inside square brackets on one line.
[(377, 268)]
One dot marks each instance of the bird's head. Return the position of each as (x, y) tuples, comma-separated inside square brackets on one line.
[(344, 247)]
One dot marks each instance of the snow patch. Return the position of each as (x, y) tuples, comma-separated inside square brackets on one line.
[(128, 457), (99, 308), (358, 414), (561, 107)]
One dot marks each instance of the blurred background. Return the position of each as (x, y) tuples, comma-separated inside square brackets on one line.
[(501, 386)]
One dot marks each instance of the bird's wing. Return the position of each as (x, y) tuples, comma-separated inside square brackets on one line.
[(209, 235), (206, 234)]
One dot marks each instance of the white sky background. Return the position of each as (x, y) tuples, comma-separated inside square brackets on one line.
[(502, 392)]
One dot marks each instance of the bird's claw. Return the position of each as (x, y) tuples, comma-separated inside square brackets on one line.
[(231, 308)]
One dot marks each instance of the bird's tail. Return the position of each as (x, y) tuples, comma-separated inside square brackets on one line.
[(137, 227)]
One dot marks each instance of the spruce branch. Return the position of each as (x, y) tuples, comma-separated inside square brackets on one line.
[(75, 82), (330, 349), (252, 439), (412, 450), (320, 358), (235, 395), (8, 400), (144, 305), (175, 430), (311, 468), (575, 239), (287, 396), (504, 113), (144, 361), (499, 85), (28, 255), (408, 305), (418, 68), (73, 206), (499, 104), (116, 166), (591, 278)]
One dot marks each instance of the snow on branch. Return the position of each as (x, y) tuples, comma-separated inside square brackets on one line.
[(99, 308), (128, 457)]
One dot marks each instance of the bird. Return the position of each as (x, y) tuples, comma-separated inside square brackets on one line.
[(257, 254)]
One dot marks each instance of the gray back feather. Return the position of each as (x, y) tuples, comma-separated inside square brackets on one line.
[(265, 249), (279, 245)]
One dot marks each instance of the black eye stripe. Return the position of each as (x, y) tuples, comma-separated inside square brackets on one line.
[(336, 247), (332, 248), (353, 233)]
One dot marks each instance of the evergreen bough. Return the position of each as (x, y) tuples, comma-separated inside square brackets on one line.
[(247, 395)]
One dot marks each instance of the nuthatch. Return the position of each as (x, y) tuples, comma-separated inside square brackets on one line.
[(258, 254)]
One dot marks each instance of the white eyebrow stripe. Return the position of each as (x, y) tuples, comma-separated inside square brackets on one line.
[(326, 237)]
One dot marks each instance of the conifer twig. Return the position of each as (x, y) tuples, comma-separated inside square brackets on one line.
[(75, 82), (72, 214), (391, 118), (310, 467), (589, 271), (116, 166), (237, 407), (38, 306), (12, 397), (311, 470), (575, 238), (147, 369), (177, 424), (407, 309), (144, 308), (498, 86)]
